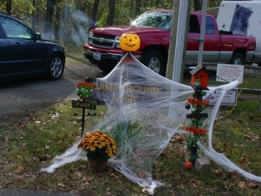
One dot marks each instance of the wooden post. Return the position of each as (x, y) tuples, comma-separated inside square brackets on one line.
[(83, 121)]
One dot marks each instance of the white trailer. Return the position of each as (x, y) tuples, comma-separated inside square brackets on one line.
[(244, 18)]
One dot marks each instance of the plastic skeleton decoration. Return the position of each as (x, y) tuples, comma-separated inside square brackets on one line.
[(147, 110)]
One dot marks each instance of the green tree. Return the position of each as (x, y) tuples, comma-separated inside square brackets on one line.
[(9, 7), (111, 12), (95, 9)]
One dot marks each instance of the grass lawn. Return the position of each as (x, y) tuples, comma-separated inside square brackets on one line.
[(31, 143)]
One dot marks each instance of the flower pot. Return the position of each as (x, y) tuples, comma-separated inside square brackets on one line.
[(97, 165)]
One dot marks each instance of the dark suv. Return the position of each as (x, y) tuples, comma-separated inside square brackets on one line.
[(24, 53)]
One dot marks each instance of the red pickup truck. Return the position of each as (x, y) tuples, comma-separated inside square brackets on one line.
[(153, 27)]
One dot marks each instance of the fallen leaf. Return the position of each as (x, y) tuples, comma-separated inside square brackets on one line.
[(179, 138), (55, 115), (218, 172), (242, 184), (61, 184), (252, 185), (19, 169), (37, 122)]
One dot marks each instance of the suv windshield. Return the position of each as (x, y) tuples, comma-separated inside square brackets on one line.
[(153, 19)]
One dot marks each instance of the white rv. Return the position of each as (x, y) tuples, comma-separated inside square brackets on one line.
[(244, 18)]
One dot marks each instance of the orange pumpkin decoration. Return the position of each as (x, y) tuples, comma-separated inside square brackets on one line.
[(130, 42), (187, 165)]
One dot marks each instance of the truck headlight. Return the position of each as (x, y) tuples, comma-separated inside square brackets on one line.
[(117, 42), (90, 36)]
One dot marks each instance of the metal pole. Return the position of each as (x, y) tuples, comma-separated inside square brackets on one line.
[(179, 42), (83, 121), (172, 41), (202, 32)]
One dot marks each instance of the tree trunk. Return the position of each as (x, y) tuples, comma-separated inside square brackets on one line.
[(35, 14), (157, 2), (137, 8), (110, 17), (132, 13), (197, 4), (57, 22), (95, 9), (9, 7), (50, 5)]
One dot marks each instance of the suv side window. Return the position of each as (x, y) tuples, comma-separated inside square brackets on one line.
[(210, 26), (14, 29)]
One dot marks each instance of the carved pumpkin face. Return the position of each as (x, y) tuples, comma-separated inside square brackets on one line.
[(130, 42)]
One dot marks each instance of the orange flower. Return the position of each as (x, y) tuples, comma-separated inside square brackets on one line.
[(86, 85), (95, 140)]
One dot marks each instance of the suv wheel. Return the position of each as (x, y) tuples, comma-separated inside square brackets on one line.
[(56, 67), (154, 60)]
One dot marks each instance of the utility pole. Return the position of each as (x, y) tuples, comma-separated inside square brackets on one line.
[(178, 39)]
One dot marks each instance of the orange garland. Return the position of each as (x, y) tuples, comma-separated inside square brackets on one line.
[(194, 101), (196, 131)]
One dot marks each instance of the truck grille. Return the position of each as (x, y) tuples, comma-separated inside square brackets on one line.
[(103, 41)]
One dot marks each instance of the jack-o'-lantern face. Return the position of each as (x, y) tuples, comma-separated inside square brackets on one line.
[(130, 42)]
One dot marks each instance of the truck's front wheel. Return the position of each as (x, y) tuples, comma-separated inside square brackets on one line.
[(153, 59)]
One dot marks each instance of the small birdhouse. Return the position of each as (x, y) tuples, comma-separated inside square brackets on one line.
[(200, 76)]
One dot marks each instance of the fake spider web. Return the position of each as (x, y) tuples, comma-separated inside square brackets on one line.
[(145, 110)]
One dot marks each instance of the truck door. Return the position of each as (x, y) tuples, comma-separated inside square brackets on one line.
[(193, 41), (211, 45), (212, 42)]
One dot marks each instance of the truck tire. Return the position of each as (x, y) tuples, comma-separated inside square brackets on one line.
[(153, 59), (238, 58)]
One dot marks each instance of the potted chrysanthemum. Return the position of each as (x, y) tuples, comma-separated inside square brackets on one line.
[(99, 147), (85, 89)]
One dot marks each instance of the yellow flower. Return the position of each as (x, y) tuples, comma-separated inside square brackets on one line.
[(98, 140)]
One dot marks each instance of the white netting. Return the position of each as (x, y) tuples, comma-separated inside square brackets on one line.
[(145, 110)]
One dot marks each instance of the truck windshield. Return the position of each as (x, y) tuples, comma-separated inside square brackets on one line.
[(153, 19)]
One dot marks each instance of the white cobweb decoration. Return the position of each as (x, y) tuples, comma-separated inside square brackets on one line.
[(145, 110)]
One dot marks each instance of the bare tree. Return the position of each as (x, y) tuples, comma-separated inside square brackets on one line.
[(35, 15), (137, 7), (132, 13), (111, 13), (95, 9), (197, 4), (57, 22), (50, 5), (157, 2), (9, 7)]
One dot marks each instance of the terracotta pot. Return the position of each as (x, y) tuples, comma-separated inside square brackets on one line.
[(97, 165)]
